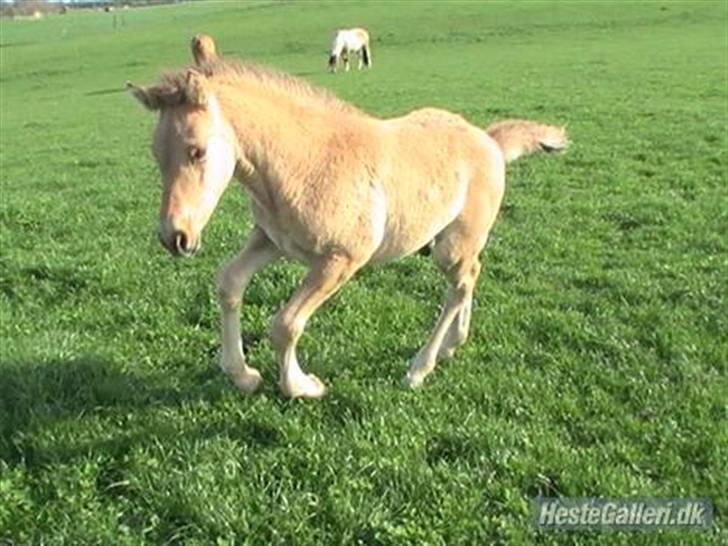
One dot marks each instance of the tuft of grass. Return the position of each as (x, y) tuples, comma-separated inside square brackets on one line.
[(596, 363)]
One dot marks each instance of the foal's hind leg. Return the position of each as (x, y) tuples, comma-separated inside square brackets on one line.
[(259, 251), (462, 276), (345, 56), (457, 333), (323, 279)]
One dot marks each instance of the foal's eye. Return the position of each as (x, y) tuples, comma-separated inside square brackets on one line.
[(196, 154)]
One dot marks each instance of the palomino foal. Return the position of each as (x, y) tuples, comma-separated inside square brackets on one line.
[(350, 40), (332, 187)]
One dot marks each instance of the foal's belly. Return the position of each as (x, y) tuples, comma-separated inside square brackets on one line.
[(409, 230), (376, 220)]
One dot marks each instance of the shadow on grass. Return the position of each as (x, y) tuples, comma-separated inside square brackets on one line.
[(307, 73), (35, 397), (109, 91), (16, 44)]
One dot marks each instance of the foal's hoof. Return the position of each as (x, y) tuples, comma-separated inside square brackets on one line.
[(247, 380), (305, 386), (413, 380), (445, 353)]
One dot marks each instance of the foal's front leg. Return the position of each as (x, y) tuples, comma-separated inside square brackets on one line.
[(258, 252), (324, 278)]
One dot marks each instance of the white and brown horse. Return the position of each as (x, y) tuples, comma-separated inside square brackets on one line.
[(350, 41), (331, 186)]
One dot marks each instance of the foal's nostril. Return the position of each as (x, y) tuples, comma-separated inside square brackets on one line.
[(180, 242)]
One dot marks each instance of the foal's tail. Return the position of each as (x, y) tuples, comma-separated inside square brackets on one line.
[(517, 137)]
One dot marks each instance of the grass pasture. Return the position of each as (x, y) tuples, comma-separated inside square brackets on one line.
[(597, 359)]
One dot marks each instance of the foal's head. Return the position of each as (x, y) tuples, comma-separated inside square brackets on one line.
[(196, 150)]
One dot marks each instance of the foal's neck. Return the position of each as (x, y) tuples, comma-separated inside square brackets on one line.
[(275, 132)]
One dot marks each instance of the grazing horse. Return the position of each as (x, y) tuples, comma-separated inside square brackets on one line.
[(332, 187), (350, 40), (203, 49)]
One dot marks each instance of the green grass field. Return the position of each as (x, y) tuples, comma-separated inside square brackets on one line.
[(597, 360)]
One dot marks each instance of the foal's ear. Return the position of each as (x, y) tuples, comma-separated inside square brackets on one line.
[(146, 95), (196, 89)]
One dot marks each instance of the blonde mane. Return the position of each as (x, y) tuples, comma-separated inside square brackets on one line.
[(174, 86)]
